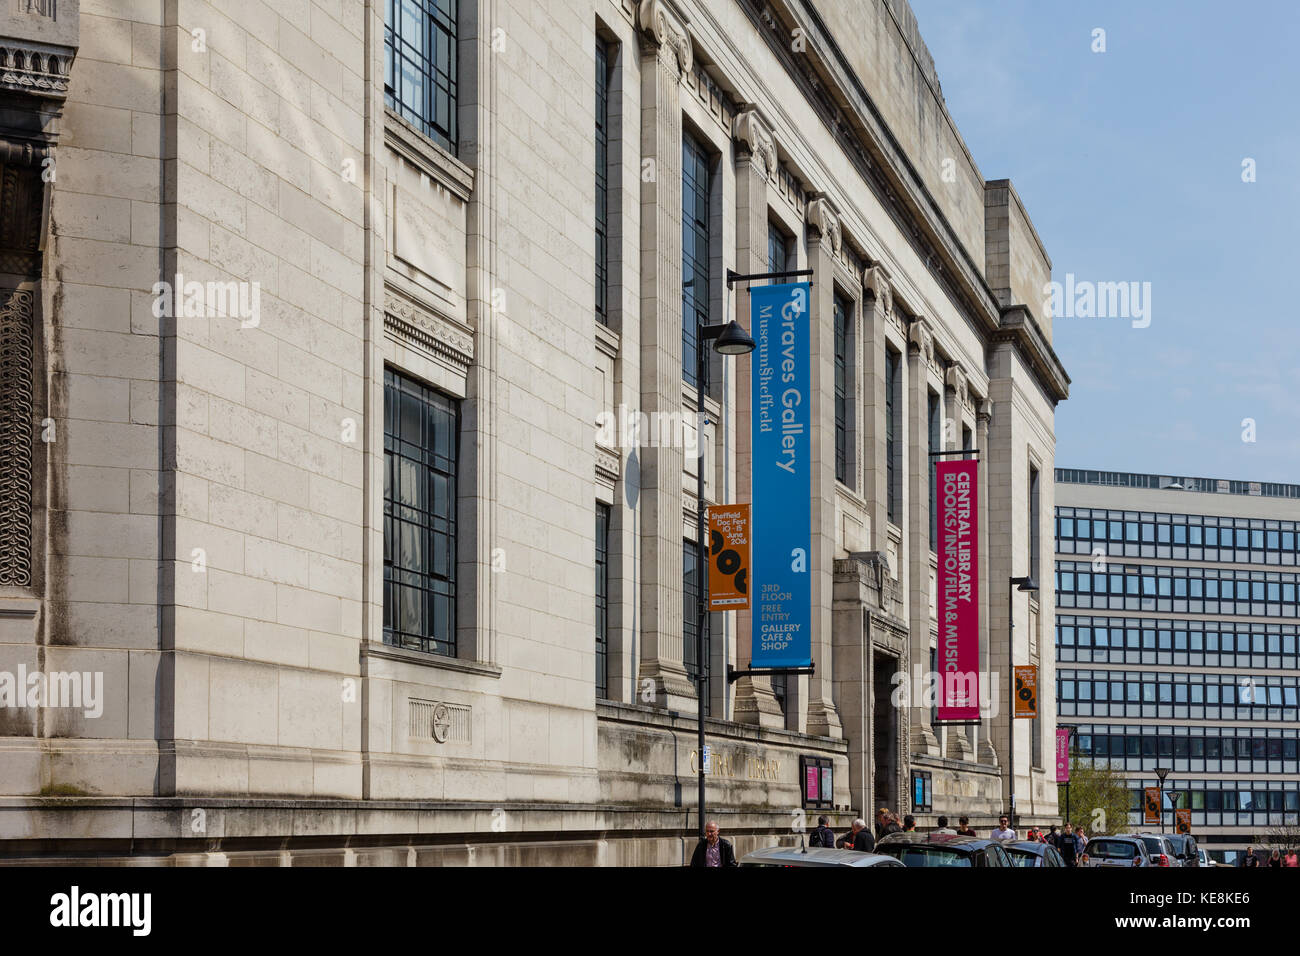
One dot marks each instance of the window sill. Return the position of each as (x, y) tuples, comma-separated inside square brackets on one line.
[(427, 155), (428, 659)]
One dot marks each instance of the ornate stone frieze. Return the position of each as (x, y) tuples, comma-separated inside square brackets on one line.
[(663, 26), (428, 330), (756, 139), (608, 465)]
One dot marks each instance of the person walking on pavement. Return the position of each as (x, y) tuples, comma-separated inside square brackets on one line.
[(909, 824), (888, 823), (1275, 858), (1068, 847), (964, 828), (713, 850), (1003, 830), (944, 828), (822, 835)]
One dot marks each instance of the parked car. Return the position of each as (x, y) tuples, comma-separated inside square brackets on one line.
[(943, 849), (1031, 853), (1185, 848), (814, 856), (1160, 847), (1123, 850)]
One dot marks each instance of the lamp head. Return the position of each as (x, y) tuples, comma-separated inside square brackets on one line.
[(734, 340)]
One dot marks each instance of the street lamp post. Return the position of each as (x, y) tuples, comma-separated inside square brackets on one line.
[(1025, 583), (728, 339), (1162, 772), (1070, 731)]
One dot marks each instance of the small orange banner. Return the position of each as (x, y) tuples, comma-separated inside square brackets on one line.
[(1182, 821), (1027, 691), (1151, 805), (729, 557)]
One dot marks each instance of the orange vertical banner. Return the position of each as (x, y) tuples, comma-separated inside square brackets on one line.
[(728, 557), (1027, 690)]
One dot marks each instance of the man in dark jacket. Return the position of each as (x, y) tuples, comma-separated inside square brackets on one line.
[(713, 850), (858, 838), (1068, 847), (822, 836)]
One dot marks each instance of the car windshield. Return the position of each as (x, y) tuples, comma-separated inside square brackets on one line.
[(1112, 849), (1021, 857), (928, 856)]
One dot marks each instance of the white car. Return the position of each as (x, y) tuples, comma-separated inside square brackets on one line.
[(814, 856)]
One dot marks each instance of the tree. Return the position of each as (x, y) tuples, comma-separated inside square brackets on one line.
[(1099, 798), (1284, 836)]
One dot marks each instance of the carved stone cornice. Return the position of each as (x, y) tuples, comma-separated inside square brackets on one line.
[(428, 330), (756, 139), (608, 465), (1020, 329), (875, 279), (824, 220), (921, 337), (666, 29)]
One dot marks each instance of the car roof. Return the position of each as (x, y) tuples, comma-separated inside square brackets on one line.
[(1029, 846), (812, 856), (955, 841)]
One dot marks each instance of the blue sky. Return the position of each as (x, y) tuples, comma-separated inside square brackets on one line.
[(1130, 165)]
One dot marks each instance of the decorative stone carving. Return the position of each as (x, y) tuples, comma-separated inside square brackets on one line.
[(430, 331), (822, 218), (607, 464), (36, 68), (920, 335), (17, 380), (876, 281), (956, 380), (749, 129), (663, 26)]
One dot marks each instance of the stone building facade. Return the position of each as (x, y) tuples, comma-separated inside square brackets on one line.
[(302, 376)]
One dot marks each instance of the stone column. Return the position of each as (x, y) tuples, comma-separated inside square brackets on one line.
[(876, 304), (920, 352), (823, 249), (996, 695), (665, 58), (959, 745), (755, 166)]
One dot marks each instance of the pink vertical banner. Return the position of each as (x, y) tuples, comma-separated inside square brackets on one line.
[(957, 585), (1062, 755)]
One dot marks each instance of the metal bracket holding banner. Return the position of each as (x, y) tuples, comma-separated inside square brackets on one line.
[(734, 675)]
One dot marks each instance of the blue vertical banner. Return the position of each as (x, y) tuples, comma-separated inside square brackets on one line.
[(781, 443)]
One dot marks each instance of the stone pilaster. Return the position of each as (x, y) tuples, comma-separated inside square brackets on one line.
[(920, 352), (876, 305), (755, 166), (665, 57), (823, 248)]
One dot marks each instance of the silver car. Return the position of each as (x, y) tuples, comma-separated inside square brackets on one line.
[(1117, 851), (814, 856)]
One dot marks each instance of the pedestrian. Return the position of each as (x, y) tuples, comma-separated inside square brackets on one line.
[(713, 850), (1031, 835), (1053, 837), (944, 828), (858, 838), (822, 835), (887, 823), (1083, 860), (1250, 859), (1081, 837), (1291, 859), (1275, 858), (964, 828), (1068, 847), (1003, 830), (909, 824)]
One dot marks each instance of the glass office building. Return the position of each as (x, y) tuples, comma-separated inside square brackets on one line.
[(1176, 644)]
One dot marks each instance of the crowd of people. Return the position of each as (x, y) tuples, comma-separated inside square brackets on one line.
[(1277, 858)]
